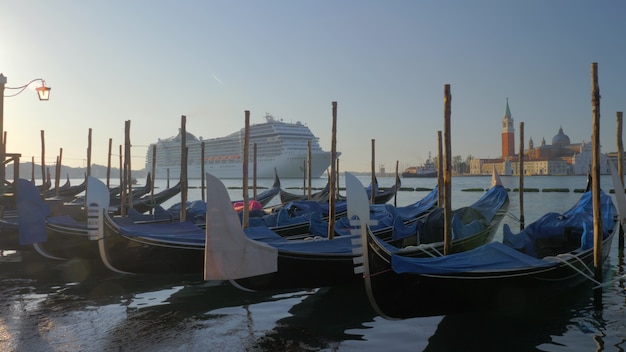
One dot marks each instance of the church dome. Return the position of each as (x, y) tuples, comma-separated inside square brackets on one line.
[(561, 139)]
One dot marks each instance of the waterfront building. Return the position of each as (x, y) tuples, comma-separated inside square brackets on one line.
[(561, 157), (508, 134)]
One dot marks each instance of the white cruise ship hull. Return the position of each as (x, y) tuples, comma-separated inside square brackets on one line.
[(287, 166), (280, 146)]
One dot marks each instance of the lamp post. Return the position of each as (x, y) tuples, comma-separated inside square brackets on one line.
[(43, 93)]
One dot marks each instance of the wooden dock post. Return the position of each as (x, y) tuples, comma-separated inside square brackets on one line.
[(202, 176), (122, 186), (521, 175), (332, 175), (43, 158), (374, 187), (57, 174), (620, 172), (595, 183), (89, 153), (246, 140), (440, 170), (309, 174), (183, 168), (395, 196), (304, 178), (127, 166), (337, 173), (254, 171), (447, 176), (154, 175), (109, 163)]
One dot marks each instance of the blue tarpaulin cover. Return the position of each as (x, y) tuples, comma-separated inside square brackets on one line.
[(32, 213), (554, 224), (509, 255), (492, 256)]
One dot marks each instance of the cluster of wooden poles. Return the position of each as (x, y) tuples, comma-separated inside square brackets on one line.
[(444, 174)]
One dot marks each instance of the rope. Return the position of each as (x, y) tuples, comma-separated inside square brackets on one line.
[(424, 248), (610, 282), (588, 275), (512, 216)]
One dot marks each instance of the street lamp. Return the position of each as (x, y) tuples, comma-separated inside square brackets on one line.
[(43, 93)]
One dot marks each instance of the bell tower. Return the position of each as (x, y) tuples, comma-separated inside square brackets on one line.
[(508, 133)]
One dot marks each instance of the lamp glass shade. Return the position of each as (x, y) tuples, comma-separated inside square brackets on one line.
[(43, 92)]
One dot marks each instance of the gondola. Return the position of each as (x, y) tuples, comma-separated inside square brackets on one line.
[(136, 192), (71, 192), (179, 247), (196, 210), (546, 259), (311, 263), (115, 199), (68, 234), (319, 196), (150, 201), (53, 192), (310, 218), (265, 197), (45, 186), (381, 196)]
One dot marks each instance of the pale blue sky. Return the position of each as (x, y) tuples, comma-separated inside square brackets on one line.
[(384, 62)]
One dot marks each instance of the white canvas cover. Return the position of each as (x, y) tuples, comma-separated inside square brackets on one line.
[(229, 254)]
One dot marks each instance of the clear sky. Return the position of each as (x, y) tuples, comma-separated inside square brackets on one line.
[(384, 62)]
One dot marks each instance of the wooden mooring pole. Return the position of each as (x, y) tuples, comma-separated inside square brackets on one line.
[(246, 141), (521, 176), (202, 175), (620, 172), (183, 168), (128, 184), (254, 171), (43, 157), (304, 177), (447, 175), (57, 173), (332, 175), (89, 152), (122, 186), (128, 165), (395, 196), (595, 183), (373, 183), (154, 176), (309, 164), (109, 163), (440, 170)]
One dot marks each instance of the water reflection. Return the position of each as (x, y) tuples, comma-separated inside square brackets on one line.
[(551, 325), (323, 319), (51, 306)]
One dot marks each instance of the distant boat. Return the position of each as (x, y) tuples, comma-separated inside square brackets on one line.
[(281, 146), (427, 169)]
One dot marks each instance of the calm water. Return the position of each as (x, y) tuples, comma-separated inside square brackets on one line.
[(48, 306)]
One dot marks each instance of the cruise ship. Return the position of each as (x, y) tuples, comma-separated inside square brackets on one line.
[(279, 145)]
